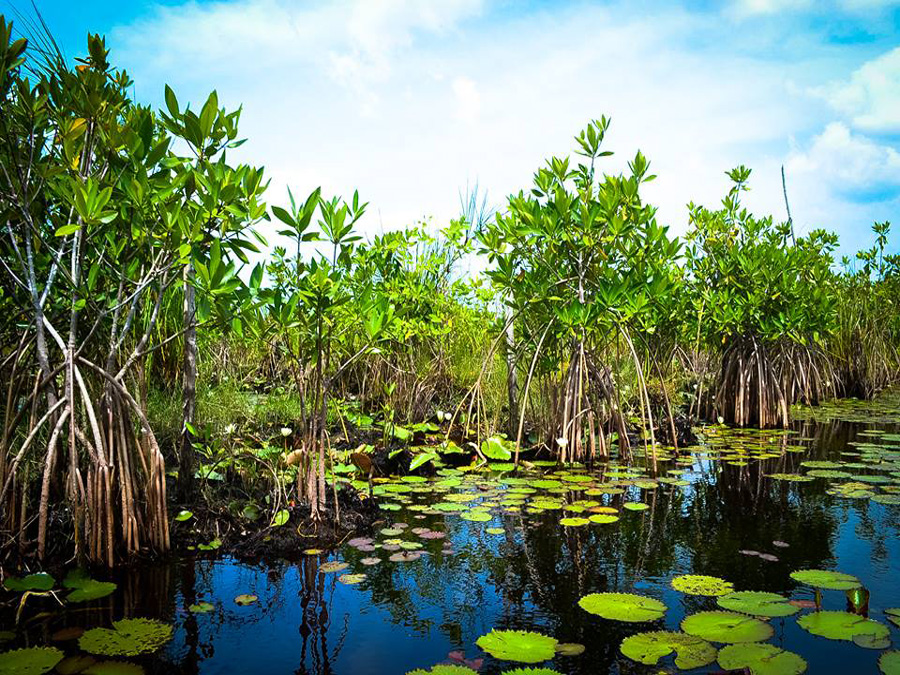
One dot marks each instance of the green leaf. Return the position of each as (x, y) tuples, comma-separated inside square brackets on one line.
[(623, 606), (281, 518), (66, 230), (518, 645)]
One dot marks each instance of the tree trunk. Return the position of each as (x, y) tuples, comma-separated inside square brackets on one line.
[(186, 465), (512, 382)]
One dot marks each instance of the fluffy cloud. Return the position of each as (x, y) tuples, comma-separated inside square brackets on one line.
[(871, 97)]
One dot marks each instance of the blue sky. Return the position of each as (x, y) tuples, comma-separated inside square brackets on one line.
[(410, 100)]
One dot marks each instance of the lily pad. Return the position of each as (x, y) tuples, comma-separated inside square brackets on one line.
[(113, 668), (518, 645), (574, 522), (201, 607), (30, 661), (33, 582), (718, 626), (757, 603), (893, 615), (569, 649), (245, 599), (351, 579), (603, 518), (443, 669), (761, 659), (531, 671), (333, 566), (841, 625), (889, 663), (127, 637), (85, 588), (636, 506), (623, 606), (699, 584), (649, 648), (835, 581)]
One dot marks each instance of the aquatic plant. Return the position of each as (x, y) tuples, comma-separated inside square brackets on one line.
[(40, 581), (717, 626), (518, 645), (836, 625), (836, 581), (699, 584), (761, 659), (757, 603), (127, 637), (648, 648), (623, 606), (30, 661)]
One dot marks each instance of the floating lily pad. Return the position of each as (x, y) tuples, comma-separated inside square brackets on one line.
[(569, 649), (201, 607), (835, 581), (245, 599), (699, 584), (127, 637), (718, 626), (476, 516), (443, 670), (85, 588), (635, 506), (649, 648), (33, 582), (113, 668), (333, 566), (623, 606), (761, 659), (841, 625), (889, 663), (518, 645), (893, 615), (603, 518), (574, 522), (757, 603), (351, 579), (531, 671), (30, 661)]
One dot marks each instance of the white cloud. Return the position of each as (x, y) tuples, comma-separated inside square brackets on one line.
[(871, 98), (850, 164), (409, 101)]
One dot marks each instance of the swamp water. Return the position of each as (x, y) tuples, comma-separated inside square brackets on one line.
[(463, 554)]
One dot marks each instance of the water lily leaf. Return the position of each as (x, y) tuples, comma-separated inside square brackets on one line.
[(635, 506), (127, 637), (114, 668), (757, 603), (281, 518), (333, 566), (718, 626), (699, 584), (893, 615), (518, 645), (649, 648), (33, 582), (569, 649), (496, 448), (761, 659), (443, 670), (351, 579), (835, 581), (574, 522), (867, 641), (531, 671), (91, 590), (245, 599), (623, 606), (889, 663), (476, 516), (201, 607), (841, 625), (182, 516), (72, 665), (29, 661), (603, 518)]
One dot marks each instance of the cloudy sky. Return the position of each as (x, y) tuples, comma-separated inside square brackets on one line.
[(411, 100)]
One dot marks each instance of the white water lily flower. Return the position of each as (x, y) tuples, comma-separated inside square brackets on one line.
[(286, 431)]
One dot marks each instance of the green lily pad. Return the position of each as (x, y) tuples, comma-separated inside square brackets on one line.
[(443, 670), (649, 648), (351, 579), (84, 588), (33, 582), (245, 599), (636, 506), (127, 637), (835, 581), (699, 584), (889, 663), (30, 661), (518, 645), (201, 607), (841, 625), (718, 626), (603, 518), (757, 603), (623, 606), (893, 615), (531, 671), (476, 516), (113, 668), (333, 566), (569, 649), (761, 659), (574, 522)]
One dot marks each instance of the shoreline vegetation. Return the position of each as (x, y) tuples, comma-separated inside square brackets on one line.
[(161, 391)]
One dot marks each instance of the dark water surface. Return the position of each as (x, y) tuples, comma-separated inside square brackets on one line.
[(407, 615)]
